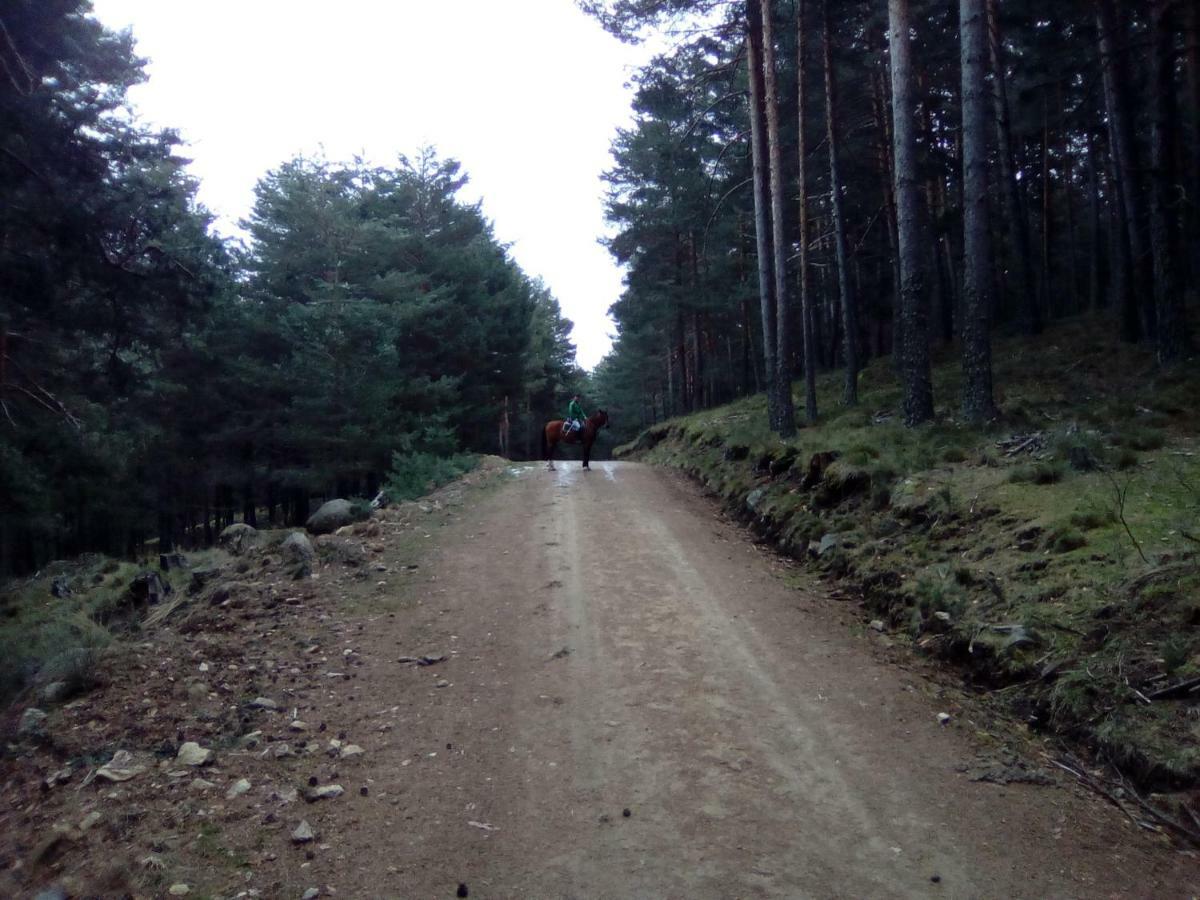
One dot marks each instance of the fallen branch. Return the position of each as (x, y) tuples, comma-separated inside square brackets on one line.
[(1181, 689)]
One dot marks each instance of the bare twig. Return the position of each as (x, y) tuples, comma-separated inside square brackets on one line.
[(1119, 494)]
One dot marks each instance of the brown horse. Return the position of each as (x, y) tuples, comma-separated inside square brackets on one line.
[(552, 436)]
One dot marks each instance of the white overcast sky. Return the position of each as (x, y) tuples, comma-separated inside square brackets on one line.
[(527, 94)]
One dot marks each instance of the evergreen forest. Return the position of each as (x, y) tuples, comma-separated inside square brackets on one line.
[(811, 184), (158, 382)]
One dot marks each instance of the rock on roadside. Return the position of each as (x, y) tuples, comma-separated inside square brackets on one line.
[(238, 538), (333, 515)]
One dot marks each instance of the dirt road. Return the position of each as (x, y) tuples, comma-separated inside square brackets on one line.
[(615, 646)]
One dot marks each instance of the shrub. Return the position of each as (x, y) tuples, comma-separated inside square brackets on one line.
[(1092, 518), (1176, 651), (1140, 437), (1126, 459), (416, 474), (1042, 472), (1065, 538)]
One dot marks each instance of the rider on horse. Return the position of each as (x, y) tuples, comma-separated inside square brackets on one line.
[(575, 416)]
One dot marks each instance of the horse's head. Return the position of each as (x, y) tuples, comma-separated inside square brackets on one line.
[(601, 418)]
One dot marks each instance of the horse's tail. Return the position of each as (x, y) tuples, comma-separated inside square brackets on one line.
[(545, 445)]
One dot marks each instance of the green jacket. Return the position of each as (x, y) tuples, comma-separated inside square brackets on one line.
[(575, 411)]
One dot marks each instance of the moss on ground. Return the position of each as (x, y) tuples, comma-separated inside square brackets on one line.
[(1052, 553)]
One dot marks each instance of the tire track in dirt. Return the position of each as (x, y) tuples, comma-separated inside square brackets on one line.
[(762, 749)]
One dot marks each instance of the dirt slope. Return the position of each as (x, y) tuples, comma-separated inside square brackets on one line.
[(612, 644)]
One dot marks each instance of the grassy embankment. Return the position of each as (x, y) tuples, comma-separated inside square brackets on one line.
[(1051, 555)]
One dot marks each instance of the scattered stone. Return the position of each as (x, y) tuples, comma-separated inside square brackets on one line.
[(430, 659), (626, 812), (364, 791), (936, 879), (179, 890), (121, 767), (238, 538), (33, 723), (192, 754), (281, 750), (351, 750), (303, 833), (200, 784), (54, 693), (828, 542), (311, 894), (239, 787), (942, 616), (201, 577), (943, 718), (463, 891), (263, 703), (299, 552), (56, 778), (442, 682), (52, 893), (297, 725), (285, 795), (90, 821), (877, 625), (250, 741), (324, 792)]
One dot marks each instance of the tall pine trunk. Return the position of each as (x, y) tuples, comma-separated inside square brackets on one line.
[(913, 336), (978, 403), (1112, 36), (786, 422), (762, 203), (1029, 311), (1171, 328), (849, 309), (806, 300)]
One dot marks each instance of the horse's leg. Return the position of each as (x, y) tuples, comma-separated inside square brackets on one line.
[(587, 452), (550, 445)]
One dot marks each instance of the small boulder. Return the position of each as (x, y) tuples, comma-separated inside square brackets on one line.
[(239, 787), (54, 692), (121, 767), (33, 723), (333, 514), (303, 833), (192, 754), (298, 551), (323, 792), (60, 588), (238, 538), (263, 703)]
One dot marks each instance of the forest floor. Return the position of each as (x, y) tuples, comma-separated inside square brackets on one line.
[(548, 685)]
